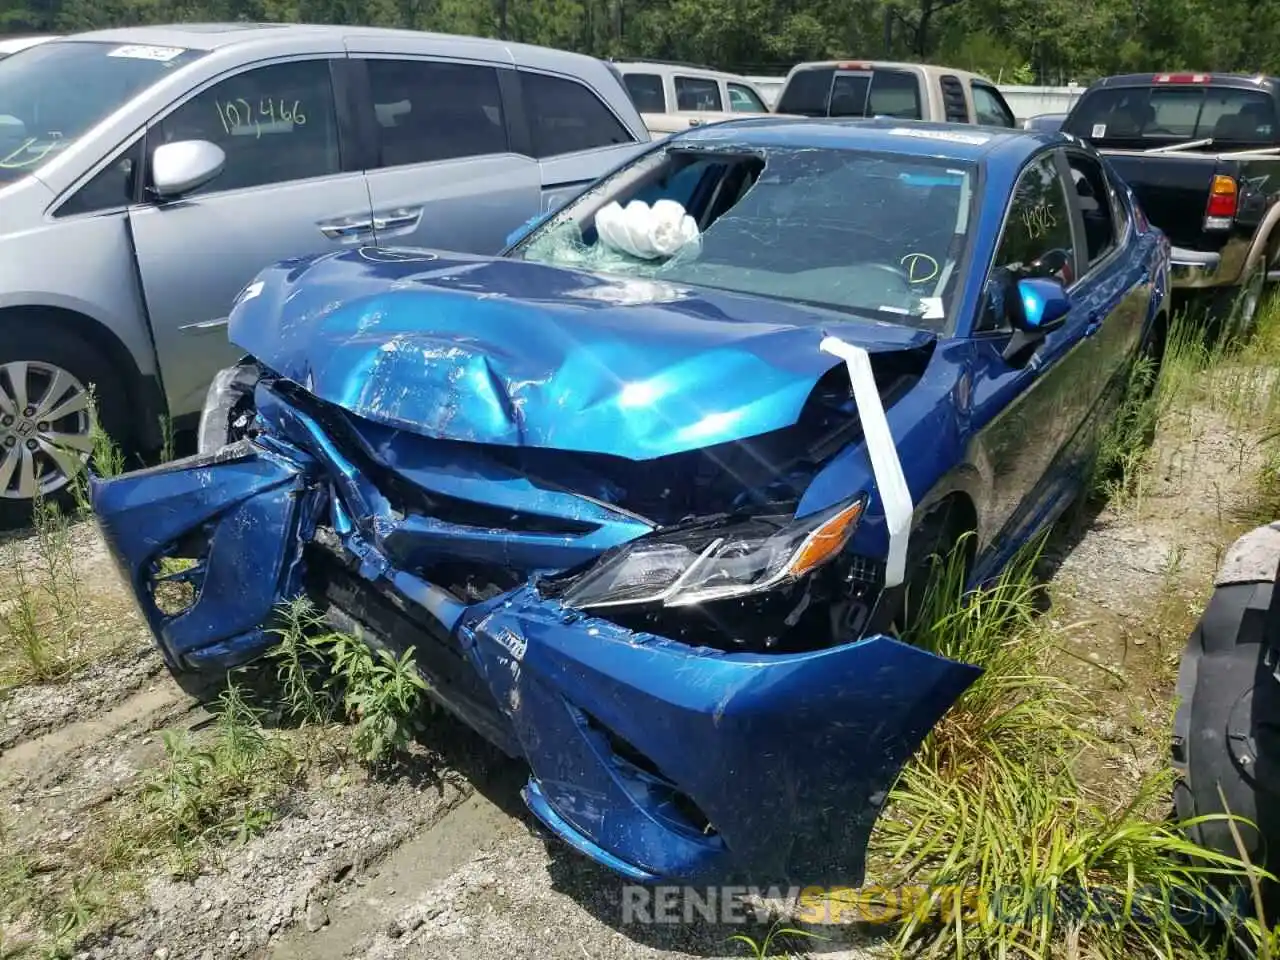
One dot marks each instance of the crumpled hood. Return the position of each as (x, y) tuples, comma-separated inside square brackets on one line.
[(507, 352)]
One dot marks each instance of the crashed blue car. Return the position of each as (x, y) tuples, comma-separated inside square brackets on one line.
[(649, 492)]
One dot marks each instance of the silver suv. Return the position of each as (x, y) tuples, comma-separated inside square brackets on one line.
[(147, 174)]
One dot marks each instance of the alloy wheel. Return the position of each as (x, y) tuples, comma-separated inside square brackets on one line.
[(45, 429)]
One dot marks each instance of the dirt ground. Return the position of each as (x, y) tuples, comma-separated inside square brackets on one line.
[(440, 860)]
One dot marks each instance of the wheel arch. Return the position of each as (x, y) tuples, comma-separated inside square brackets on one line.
[(144, 393)]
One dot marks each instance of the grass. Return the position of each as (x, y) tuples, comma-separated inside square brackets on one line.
[(322, 674), (44, 622), (776, 943), (228, 790), (990, 806)]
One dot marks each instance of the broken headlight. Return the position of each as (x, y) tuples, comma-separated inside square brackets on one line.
[(228, 407), (694, 565)]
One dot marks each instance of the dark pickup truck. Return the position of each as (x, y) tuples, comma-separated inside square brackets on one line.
[(1201, 151)]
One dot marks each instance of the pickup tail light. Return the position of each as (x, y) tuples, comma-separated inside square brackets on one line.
[(1221, 209)]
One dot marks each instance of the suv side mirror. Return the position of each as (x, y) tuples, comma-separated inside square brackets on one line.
[(178, 168), (1042, 307)]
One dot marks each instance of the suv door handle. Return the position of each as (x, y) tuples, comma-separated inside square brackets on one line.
[(1094, 322), (346, 228), (394, 221)]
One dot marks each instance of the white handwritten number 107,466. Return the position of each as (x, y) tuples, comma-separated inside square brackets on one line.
[(238, 114)]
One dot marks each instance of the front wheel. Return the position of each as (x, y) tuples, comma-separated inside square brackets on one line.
[(939, 559), (46, 414)]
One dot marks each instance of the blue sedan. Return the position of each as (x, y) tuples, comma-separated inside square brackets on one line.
[(649, 492)]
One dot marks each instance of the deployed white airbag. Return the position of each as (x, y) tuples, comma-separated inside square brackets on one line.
[(646, 232)]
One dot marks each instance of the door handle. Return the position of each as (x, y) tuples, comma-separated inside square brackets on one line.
[(1094, 322), (394, 221), (346, 228)]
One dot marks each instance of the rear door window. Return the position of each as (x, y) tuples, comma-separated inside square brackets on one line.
[(989, 107), (565, 116), (697, 93), (646, 92), (417, 125)]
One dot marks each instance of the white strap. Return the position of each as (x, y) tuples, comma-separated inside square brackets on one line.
[(885, 464)]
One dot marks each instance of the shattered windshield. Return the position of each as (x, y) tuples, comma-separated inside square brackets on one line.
[(872, 234), (55, 92)]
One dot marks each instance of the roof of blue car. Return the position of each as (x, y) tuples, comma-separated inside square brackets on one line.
[(950, 141)]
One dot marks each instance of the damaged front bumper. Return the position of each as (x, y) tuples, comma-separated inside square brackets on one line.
[(659, 759)]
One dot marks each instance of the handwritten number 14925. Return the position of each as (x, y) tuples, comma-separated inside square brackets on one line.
[(238, 115)]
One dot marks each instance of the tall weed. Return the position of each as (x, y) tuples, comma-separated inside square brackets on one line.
[(322, 673), (230, 788), (989, 808)]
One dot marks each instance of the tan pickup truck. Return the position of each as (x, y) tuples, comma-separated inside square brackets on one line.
[(905, 91)]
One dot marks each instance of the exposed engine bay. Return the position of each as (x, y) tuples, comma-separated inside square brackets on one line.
[(708, 489)]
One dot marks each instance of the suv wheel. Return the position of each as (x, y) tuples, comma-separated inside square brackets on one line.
[(46, 415)]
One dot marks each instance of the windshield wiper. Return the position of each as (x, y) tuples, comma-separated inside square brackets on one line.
[(1174, 147)]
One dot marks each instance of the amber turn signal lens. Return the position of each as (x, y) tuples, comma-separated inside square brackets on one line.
[(827, 541)]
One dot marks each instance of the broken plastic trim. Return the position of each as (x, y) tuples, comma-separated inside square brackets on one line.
[(228, 406)]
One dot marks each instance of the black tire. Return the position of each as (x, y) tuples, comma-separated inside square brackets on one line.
[(1233, 311), (932, 542), (22, 340), (1227, 728), (1152, 352)]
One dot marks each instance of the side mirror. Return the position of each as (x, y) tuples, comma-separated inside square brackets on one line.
[(178, 168), (522, 231), (1042, 307)]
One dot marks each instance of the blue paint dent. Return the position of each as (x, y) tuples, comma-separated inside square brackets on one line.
[(806, 745), (522, 354), (246, 509)]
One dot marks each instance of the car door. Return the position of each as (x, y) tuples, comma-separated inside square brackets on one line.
[(1115, 289), (445, 173), (1026, 410), (284, 192), (989, 107), (572, 133)]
